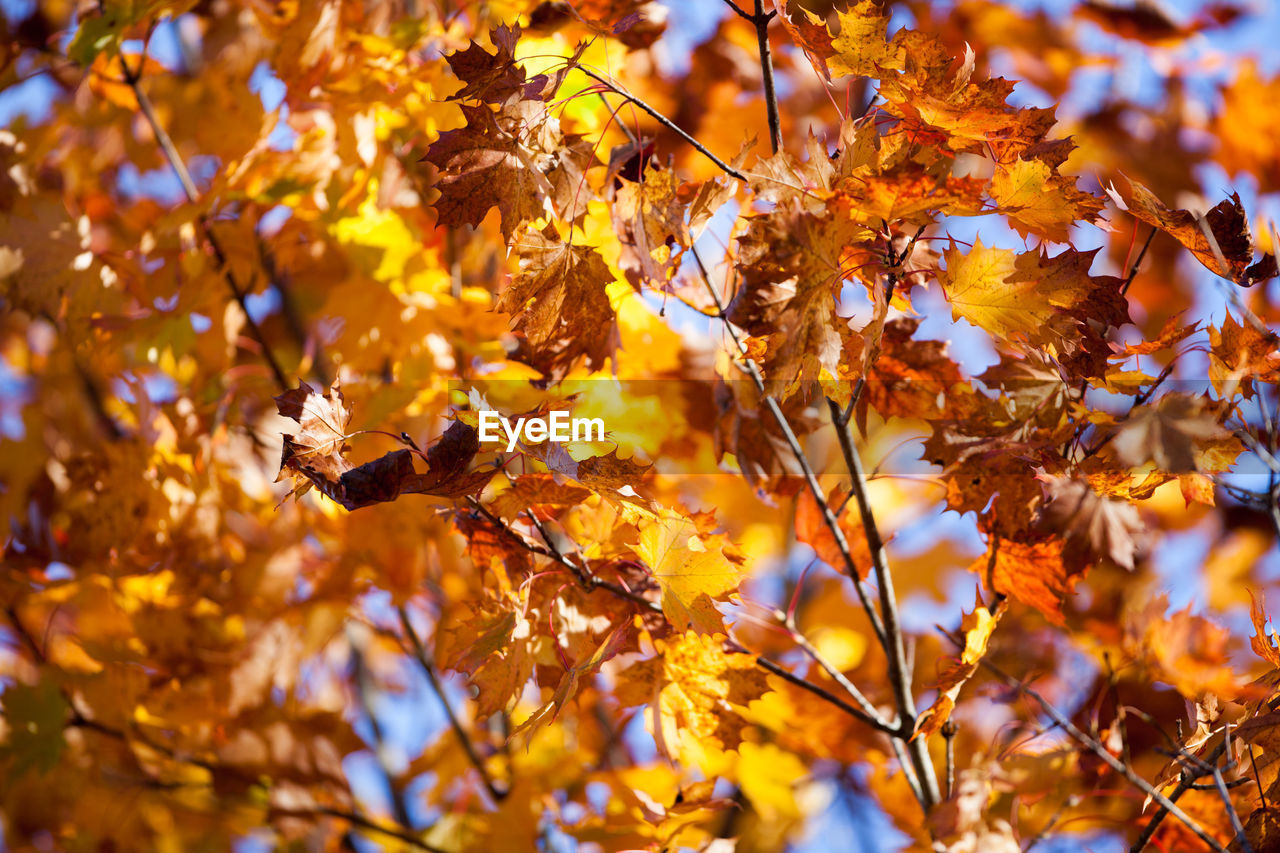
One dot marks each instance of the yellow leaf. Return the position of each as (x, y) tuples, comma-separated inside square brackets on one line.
[(690, 572)]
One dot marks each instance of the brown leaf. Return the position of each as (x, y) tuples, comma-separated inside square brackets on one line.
[(493, 77), (1239, 353), (515, 160), (560, 305), (1168, 433), (316, 456), (1227, 222), (1091, 525), (810, 34)]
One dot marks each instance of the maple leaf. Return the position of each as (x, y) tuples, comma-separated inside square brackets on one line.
[(316, 456), (1034, 298), (976, 628), (792, 264), (1038, 201), (936, 93), (812, 530), (1032, 572), (569, 683), (1226, 222), (1240, 353), (560, 304), (861, 48), (494, 77), (649, 218), (810, 34), (320, 445), (1184, 650), (690, 569), (1169, 433), (536, 493), (696, 689), (515, 160), (1092, 525), (1263, 643)]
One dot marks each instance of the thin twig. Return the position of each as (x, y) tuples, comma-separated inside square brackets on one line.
[(359, 820), (760, 21), (839, 677), (364, 692), (665, 122), (908, 769), (791, 678), (738, 11), (828, 517), (592, 582), (1133, 270), (949, 731), (133, 77), (1101, 752), (459, 732)]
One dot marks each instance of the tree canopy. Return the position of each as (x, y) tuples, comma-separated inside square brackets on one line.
[(933, 347)]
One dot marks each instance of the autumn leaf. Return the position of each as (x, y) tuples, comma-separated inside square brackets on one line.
[(1240, 353), (316, 456), (1183, 649), (1032, 572), (860, 47), (1030, 297), (810, 34), (1040, 202), (812, 530), (560, 305), (1226, 223), (1171, 434), (1092, 525), (695, 690), (692, 571), (976, 628), (516, 160)]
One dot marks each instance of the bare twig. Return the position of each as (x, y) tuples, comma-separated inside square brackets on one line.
[(1101, 752), (365, 689), (1133, 270), (793, 444), (760, 20), (887, 629), (949, 731), (464, 740), (590, 582), (359, 820), (665, 122), (133, 77), (837, 676)]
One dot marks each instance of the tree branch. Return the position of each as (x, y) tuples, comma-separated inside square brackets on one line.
[(132, 78), (1101, 752), (760, 21), (464, 740), (899, 671)]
